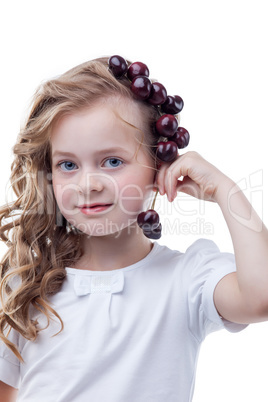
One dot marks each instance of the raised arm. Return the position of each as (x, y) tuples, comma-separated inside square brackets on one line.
[(243, 297), (240, 297)]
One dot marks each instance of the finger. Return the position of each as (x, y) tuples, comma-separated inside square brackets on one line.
[(188, 186), (160, 178), (171, 180), (168, 184)]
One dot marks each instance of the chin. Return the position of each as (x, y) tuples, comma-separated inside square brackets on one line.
[(109, 228)]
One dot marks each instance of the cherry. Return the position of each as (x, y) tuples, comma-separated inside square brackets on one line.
[(158, 94), (155, 233), (181, 137), (167, 125), (136, 69), (118, 65), (148, 220), (173, 105), (141, 87), (167, 151)]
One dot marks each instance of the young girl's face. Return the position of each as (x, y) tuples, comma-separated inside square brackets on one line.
[(101, 174)]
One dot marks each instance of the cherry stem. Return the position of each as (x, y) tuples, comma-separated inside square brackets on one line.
[(153, 203)]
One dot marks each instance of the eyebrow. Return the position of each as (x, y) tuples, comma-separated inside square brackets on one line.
[(114, 150)]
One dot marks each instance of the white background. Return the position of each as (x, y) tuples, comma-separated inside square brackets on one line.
[(213, 54)]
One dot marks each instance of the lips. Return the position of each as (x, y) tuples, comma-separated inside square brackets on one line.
[(89, 209), (93, 205)]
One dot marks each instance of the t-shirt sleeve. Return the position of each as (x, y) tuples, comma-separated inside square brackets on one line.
[(205, 266), (9, 364)]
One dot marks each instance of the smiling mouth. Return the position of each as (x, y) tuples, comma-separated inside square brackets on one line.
[(94, 208)]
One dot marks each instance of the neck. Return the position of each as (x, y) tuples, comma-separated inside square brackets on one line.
[(105, 253)]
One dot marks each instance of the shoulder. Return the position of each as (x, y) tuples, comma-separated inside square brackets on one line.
[(200, 250), (206, 251), (202, 246), (200, 260)]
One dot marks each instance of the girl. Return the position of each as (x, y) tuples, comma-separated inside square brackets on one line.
[(91, 308)]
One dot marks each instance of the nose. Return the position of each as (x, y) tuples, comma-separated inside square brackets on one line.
[(91, 182)]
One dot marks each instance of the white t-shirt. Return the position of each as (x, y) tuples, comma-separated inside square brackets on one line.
[(131, 334)]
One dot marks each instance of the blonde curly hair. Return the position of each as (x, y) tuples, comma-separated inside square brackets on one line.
[(33, 267)]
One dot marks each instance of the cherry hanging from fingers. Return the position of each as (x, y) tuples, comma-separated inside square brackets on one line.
[(148, 221), (154, 234)]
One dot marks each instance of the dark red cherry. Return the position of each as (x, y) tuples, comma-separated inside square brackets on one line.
[(167, 151), (141, 87), (158, 94), (136, 69), (179, 102), (181, 137), (155, 233), (173, 105), (167, 125), (117, 65), (148, 220)]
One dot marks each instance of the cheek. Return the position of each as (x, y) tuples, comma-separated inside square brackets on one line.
[(132, 196), (66, 196)]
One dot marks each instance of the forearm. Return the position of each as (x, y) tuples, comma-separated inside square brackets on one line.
[(250, 241)]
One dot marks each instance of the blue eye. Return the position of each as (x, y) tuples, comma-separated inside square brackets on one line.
[(68, 165), (112, 162)]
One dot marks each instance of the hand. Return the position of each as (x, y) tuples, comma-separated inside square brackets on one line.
[(200, 178)]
